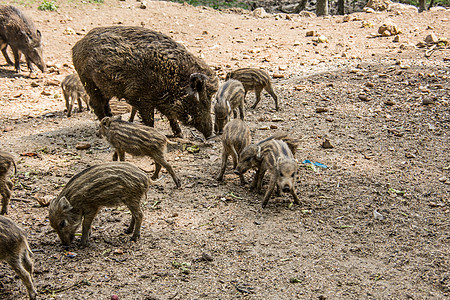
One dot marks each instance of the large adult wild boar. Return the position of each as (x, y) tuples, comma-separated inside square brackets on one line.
[(149, 70)]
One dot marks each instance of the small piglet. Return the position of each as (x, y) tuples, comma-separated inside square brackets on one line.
[(273, 155), (73, 90), (254, 79), (14, 249), (236, 136), (19, 32), (229, 97), (138, 140), (6, 163), (104, 185)]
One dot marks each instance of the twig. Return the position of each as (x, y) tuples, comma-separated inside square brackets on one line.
[(77, 284), (20, 200)]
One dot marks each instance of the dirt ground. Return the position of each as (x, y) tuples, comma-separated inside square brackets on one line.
[(209, 240)]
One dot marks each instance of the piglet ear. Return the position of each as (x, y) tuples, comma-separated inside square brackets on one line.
[(228, 107), (258, 153), (64, 204), (106, 121)]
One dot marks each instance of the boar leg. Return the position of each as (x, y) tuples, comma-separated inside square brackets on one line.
[(241, 111), (29, 64), (133, 113), (269, 89), (86, 228), (5, 54), (160, 160), (118, 153), (269, 191), (260, 176), (147, 115), (157, 169), (294, 194), (80, 105), (98, 102), (72, 100), (235, 158), (136, 221), (6, 195), (175, 128), (25, 276), (224, 165), (16, 59), (258, 96)]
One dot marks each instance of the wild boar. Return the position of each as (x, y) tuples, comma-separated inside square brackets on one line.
[(236, 136), (276, 157), (14, 249), (149, 70), (251, 155), (229, 97), (138, 140), (254, 79), (73, 90), (6, 162), (104, 185), (19, 32)]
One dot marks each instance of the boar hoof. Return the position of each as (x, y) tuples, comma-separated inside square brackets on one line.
[(134, 238)]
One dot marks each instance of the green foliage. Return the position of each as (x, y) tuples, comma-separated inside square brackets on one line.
[(445, 3), (216, 4), (48, 5)]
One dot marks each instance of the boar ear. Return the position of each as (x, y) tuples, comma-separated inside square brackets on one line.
[(106, 121), (38, 33), (64, 204)]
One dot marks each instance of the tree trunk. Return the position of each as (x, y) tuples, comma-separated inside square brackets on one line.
[(422, 5), (322, 8), (341, 7)]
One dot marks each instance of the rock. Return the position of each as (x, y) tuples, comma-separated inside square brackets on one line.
[(34, 84), (431, 38), (273, 126), (69, 31), (7, 128), (396, 39), (321, 109), (363, 97), (369, 84), (400, 8), (388, 29), (377, 215), (327, 144), (369, 10), (427, 101), (297, 43), (378, 5), (206, 257), (82, 146), (143, 5), (322, 39), (389, 102), (307, 14), (311, 33), (277, 75), (260, 13)]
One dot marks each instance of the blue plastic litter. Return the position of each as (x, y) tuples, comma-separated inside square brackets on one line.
[(306, 161)]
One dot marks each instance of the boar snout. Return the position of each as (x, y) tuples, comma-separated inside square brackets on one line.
[(286, 189)]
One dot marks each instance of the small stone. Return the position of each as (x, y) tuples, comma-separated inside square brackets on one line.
[(322, 39), (82, 146), (278, 75), (369, 84), (143, 5), (431, 38), (7, 128), (34, 84), (45, 93), (396, 39), (297, 43), (321, 109), (272, 126), (118, 252), (260, 13), (69, 31), (327, 144), (389, 102), (363, 97), (409, 155), (311, 33), (443, 179), (427, 101), (207, 257), (377, 215)]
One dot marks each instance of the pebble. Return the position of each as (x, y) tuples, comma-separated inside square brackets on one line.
[(321, 109), (377, 215), (327, 144), (82, 146)]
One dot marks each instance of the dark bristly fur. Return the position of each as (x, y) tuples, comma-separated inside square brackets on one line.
[(73, 90), (254, 79), (229, 97), (236, 136), (138, 140), (19, 32), (104, 185), (149, 70), (6, 163), (14, 249)]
